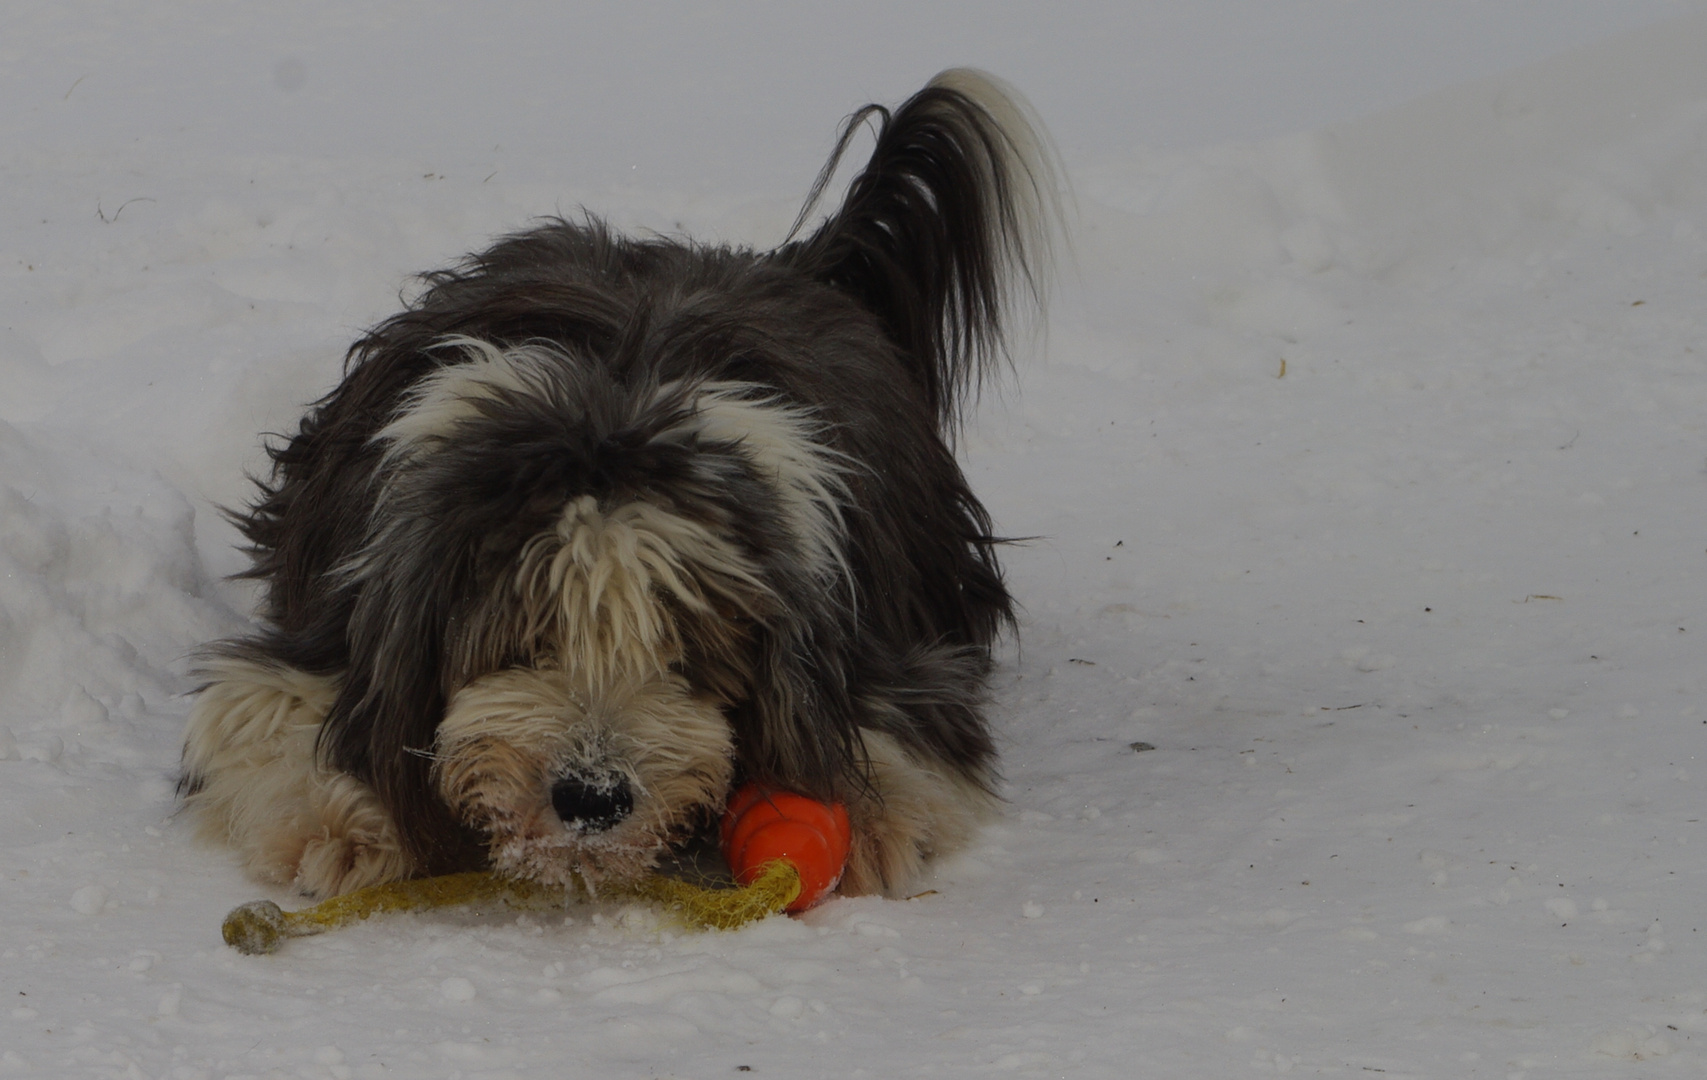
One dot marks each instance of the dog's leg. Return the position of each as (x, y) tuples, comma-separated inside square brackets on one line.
[(912, 811), (253, 779)]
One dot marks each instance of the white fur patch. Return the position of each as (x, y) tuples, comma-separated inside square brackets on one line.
[(450, 396), (250, 745), (1033, 164), (781, 441), (594, 588), (913, 812)]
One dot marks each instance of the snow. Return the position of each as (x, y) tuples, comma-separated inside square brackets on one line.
[(1353, 724)]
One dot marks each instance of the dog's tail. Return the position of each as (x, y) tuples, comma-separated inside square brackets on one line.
[(948, 225)]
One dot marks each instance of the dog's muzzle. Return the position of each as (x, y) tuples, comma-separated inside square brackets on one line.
[(592, 804)]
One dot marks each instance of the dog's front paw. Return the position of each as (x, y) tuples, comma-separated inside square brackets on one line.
[(913, 812), (335, 864)]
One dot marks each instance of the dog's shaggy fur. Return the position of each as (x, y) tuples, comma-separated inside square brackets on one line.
[(601, 525)]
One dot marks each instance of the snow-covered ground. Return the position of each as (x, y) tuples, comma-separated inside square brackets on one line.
[(1366, 449)]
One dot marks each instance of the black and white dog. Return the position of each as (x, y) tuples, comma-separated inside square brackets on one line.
[(602, 525)]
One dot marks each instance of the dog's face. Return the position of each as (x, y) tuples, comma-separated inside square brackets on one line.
[(594, 647), (567, 782), (595, 754)]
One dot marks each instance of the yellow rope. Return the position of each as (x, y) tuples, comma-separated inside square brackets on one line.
[(261, 926)]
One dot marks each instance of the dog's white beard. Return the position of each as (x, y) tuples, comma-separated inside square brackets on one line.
[(508, 736)]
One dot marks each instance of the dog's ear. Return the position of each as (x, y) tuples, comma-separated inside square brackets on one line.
[(382, 725), (947, 224)]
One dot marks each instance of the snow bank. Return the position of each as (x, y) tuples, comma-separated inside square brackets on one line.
[(101, 595)]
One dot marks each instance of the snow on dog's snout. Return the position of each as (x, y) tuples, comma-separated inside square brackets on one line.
[(511, 742)]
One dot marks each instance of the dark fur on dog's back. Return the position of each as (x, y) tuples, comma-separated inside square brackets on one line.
[(876, 324)]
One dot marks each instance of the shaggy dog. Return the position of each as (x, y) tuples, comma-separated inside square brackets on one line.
[(600, 526)]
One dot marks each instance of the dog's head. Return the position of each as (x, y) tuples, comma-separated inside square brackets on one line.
[(625, 493), (607, 570)]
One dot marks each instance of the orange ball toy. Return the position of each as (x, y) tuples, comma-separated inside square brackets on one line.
[(763, 825)]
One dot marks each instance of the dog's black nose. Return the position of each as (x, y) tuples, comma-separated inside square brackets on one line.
[(592, 803)]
